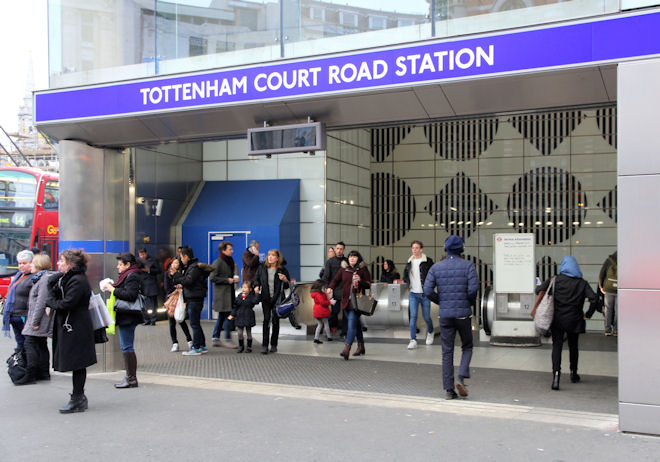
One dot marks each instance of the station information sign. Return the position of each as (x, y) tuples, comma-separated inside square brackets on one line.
[(515, 263)]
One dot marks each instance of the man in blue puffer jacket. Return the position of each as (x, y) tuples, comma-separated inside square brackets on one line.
[(457, 283)]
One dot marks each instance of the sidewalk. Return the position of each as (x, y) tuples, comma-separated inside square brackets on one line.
[(298, 407)]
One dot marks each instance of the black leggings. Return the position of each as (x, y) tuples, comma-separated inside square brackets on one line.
[(557, 345), (79, 376), (184, 328)]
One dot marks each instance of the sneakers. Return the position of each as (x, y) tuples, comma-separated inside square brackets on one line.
[(226, 343), (175, 348), (190, 344), (204, 349), (429, 338), (193, 352), (460, 386), (450, 394), (215, 342), (412, 345), (317, 341)]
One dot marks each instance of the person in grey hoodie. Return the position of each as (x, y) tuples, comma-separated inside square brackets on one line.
[(38, 324)]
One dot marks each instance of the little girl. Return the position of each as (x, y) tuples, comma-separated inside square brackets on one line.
[(243, 313), (321, 309)]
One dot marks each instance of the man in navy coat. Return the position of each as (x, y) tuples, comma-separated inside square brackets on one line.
[(452, 283)]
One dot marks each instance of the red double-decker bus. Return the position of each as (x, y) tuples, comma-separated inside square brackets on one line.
[(29, 201)]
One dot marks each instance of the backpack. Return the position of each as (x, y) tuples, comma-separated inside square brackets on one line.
[(610, 282)]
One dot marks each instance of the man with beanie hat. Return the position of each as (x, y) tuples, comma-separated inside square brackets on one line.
[(456, 282)]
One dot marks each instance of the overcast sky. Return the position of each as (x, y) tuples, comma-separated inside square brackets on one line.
[(23, 29)]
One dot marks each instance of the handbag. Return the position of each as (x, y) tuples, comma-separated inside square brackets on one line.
[(180, 309), (289, 304), (363, 304), (124, 306), (16, 367), (544, 311), (100, 335)]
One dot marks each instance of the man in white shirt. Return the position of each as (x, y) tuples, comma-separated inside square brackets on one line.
[(414, 275)]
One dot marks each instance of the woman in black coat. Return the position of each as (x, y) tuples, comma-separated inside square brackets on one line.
[(272, 279), (389, 274), (569, 292), (73, 336), (127, 288)]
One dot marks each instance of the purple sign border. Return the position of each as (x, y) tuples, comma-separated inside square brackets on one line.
[(567, 45)]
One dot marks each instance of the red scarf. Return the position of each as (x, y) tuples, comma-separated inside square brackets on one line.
[(123, 275)]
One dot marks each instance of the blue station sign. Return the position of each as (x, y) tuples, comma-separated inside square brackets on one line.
[(568, 45)]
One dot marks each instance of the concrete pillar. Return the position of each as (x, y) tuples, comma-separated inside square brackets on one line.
[(639, 245), (94, 215)]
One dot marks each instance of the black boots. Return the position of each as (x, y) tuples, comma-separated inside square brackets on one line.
[(241, 346), (249, 346), (555, 380), (345, 352), (77, 403), (130, 363), (575, 378), (360, 349)]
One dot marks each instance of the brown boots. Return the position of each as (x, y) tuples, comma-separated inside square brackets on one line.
[(360, 350), (130, 363), (346, 351)]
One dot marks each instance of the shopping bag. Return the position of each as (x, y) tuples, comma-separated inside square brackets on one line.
[(107, 319), (180, 310), (97, 318), (544, 312), (171, 302), (111, 310)]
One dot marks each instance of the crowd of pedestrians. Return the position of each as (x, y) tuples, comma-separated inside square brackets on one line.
[(41, 303)]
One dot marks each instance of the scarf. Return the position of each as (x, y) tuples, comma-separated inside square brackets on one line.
[(569, 267), (9, 303), (124, 274), (229, 260)]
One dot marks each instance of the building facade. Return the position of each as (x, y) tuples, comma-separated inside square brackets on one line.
[(457, 117)]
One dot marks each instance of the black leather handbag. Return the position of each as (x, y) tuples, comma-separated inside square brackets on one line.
[(123, 306)]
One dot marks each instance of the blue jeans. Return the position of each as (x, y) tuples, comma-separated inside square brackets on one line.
[(17, 323), (222, 323), (126, 338), (354, 327), (414, 300), (195, 313)]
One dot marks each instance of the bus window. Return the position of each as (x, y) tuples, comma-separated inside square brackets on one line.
[(17, 189), (51, 195)]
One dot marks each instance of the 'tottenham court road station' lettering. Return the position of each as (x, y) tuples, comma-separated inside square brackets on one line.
[(193, 90)]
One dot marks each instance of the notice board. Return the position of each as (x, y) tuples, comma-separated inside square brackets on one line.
[(515, 264)]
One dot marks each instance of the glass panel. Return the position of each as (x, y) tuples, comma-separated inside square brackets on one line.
[(311, 20), (10, 244), (188, 28), (52, 195), (17, 189)]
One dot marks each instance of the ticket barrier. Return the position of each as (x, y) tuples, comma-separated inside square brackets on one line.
[(506, 318)]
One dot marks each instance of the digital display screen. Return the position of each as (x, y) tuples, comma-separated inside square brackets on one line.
[(288, 138)]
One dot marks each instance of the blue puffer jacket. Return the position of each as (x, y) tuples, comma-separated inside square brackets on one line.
[(457, 283)]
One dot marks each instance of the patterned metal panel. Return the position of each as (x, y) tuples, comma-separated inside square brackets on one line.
[(608, 204), (461, 139), (548, 202), (384, 140), (606, 121), (460, 206), (546, 267), (393, 208), (546, 131)]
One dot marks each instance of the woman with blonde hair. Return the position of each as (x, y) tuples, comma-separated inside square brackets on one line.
[(38, 324), (272, 278)]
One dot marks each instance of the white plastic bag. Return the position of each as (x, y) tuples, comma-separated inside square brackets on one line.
[(180, 310)]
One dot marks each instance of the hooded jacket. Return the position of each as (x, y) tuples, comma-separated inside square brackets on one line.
[(457, 284), (37, 316), (569, 293), (193, 279)]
